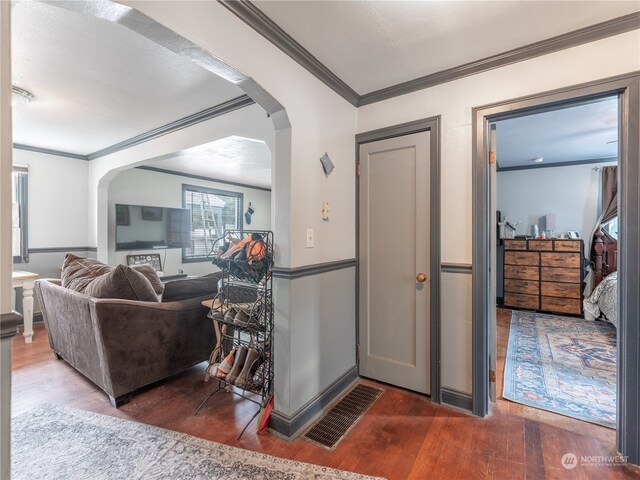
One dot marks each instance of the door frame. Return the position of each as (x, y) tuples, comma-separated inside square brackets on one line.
[(431, 124), (627, 87)]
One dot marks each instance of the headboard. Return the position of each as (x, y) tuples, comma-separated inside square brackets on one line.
[(604, 256)]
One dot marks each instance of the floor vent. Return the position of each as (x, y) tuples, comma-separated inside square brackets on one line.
[(336, 423)]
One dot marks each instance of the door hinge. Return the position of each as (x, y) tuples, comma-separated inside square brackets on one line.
[(358, 169), (492, 158), (492, 375)]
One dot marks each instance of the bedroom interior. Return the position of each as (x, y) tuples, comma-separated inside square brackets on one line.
[(557, 224)]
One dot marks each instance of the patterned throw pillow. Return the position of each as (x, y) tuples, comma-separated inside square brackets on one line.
[(78, 272), (123, 283), (149, 272)]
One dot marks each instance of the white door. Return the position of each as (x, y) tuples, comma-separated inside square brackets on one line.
[(394, 252)]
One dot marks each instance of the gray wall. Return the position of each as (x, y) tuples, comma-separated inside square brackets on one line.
[(315, 325)]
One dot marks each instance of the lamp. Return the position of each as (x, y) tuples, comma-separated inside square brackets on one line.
[(20, 96)]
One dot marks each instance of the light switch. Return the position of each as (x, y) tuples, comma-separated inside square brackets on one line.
[(325, 211), (310, 237)]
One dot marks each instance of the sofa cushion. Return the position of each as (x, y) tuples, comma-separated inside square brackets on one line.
[(122, 283), (149, 272), (191, 287), (78, 272)]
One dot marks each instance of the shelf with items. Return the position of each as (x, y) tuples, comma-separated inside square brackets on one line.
[(242, 314)]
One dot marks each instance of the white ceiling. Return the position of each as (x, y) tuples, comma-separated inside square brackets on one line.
[(234, 159), (376, 44), (574, 134), (97, 83)]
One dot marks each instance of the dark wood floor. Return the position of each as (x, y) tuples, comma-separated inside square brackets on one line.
[(402, 436)]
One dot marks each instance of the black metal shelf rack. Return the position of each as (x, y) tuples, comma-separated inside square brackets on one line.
[(246, 286)]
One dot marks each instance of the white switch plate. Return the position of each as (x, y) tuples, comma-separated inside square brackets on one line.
[(310, 237)]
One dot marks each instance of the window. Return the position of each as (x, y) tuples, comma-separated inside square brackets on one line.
[(212, 212), (611, 227), (19, 214)]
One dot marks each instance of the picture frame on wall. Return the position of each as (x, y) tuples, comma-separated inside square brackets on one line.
[(153, 214), (152, 259)]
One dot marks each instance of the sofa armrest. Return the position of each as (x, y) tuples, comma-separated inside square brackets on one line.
[(67, 317)]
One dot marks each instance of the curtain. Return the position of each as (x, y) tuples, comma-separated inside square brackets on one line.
[(609, 196), (608, 211)]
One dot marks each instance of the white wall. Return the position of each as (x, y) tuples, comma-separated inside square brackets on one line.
[(321, 121), (58, 192), (454, 101), (570, 192), (144, 187)]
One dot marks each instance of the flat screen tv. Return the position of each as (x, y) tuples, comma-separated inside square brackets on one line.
[(141, 227)]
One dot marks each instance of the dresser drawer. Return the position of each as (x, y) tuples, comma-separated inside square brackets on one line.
[(521, 272), (569, 275), (567, 245), (541, 245), (521, 300), (521, 286), (567, 260), (564, 290), (515, 244), (521, 258), (561, 305)]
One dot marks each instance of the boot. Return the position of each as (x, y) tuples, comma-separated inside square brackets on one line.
[(250, 365), (241, 354)]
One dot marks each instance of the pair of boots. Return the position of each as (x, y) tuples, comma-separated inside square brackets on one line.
[(239, 366), (240, 317)]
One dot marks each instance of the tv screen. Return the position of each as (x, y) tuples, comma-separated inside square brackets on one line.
[(140, 227)]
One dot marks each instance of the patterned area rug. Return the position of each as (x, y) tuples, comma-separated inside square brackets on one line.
[(564, 365), (55, 442)]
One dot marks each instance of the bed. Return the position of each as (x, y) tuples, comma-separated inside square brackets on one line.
[(603, 301)]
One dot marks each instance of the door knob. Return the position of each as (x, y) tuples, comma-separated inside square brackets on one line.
[(421, 277)]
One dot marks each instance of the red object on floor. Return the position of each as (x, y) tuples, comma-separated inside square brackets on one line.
[(265, 415)]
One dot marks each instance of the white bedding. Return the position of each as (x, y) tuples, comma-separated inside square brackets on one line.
[(604, 300)]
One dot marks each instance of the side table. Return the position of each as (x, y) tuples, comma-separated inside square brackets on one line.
[(27, 281)]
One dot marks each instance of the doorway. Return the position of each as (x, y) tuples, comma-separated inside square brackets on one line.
[(398, 251), (627, 87), (554, 188)]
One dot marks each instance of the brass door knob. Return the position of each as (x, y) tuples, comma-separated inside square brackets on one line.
[(421, 277)]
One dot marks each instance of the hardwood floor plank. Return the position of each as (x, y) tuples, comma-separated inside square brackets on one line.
[(402, 436)]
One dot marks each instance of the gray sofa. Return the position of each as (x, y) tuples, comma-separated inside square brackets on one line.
[(122, 345)]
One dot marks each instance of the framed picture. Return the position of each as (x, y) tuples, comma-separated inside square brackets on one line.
[(573, 234), (152, 259), (153, 214), (122, 215)]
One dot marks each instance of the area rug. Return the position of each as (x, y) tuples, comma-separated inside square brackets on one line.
[(53, 442), (564, 365)]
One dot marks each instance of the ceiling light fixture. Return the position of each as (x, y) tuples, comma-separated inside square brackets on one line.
[(20, 96), (538, 160)]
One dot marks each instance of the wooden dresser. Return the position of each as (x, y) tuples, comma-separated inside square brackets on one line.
[(544, 275)]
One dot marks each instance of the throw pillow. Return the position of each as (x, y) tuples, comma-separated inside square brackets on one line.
[(149, 272), (78, 272), (123, 283), (191, 287)]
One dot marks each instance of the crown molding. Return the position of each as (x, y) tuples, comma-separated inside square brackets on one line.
[(261, 23), (49, 151), (201, 177), (588, 34), (188, 121)]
